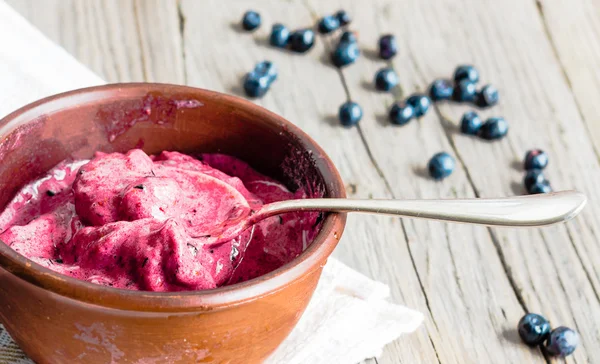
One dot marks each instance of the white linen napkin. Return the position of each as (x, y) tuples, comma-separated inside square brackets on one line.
[(348, 318)]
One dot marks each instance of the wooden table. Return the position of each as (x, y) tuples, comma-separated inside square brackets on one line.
[(472, 283)]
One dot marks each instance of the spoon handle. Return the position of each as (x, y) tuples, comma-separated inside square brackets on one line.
[(533, 210)]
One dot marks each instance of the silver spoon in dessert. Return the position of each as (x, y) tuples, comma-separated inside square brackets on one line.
[(518, 211)]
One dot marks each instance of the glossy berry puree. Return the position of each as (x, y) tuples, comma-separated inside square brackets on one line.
[(144, 222)]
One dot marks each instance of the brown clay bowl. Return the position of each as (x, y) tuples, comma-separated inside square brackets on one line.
[(58, 319)]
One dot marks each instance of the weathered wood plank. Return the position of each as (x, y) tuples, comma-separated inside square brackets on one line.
[(551, 267), (574, 31), (122, 41), (308, 93), (473, 305), (545, 265)]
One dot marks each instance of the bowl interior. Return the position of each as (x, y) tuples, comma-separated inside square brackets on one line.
[(157, 117)]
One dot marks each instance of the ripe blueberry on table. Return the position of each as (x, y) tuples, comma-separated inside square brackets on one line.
[(562, 342), (343, 17), (466, 72), (441, 90), (470, 123), (487, 96), (328, 24), (350, 113), (251, 20), (345, 54), (401, 113), (494, 128), (255, 86), (387, 46), (535, 159), (420, 104), (257, 82), (280, 36), (533, 329), (386, 79), (302, 40), (440, 166), (464, 91)]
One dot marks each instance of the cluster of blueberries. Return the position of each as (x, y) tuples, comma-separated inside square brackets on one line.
[(346, 51), (300, 40), (535, 330), (535, 182), (462, 88)]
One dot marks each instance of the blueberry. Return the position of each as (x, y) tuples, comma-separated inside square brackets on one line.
[(302, 40), (256, 85), (440, 166), (543, 187), (470, 123), (401, 113), (536, 159), (345, 54), (533, 329), (385, 79), (343, 17), (266, 68), (494, 128), (387, 46), (533, 177), (328, 24), (350, 113), (251, 20), (464, 91), (280, 35), (466, 72), (562, 341), (420, 103), (348, 37), (441, 90), (487, 96)]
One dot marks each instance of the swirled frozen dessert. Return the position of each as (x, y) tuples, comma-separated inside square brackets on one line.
[(140, 222)]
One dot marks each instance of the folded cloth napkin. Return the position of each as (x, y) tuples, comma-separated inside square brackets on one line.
[(348, 318)]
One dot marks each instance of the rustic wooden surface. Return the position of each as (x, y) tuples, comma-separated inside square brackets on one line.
[(472, 283)]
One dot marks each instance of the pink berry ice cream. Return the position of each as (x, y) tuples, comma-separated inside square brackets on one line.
[(140, 222)]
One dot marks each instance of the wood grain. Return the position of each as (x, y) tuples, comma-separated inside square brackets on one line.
[(564, 22), (548, 268), (471, 299), (472, 283)]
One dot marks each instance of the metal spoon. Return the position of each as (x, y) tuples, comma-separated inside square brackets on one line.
[(518, 211)]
